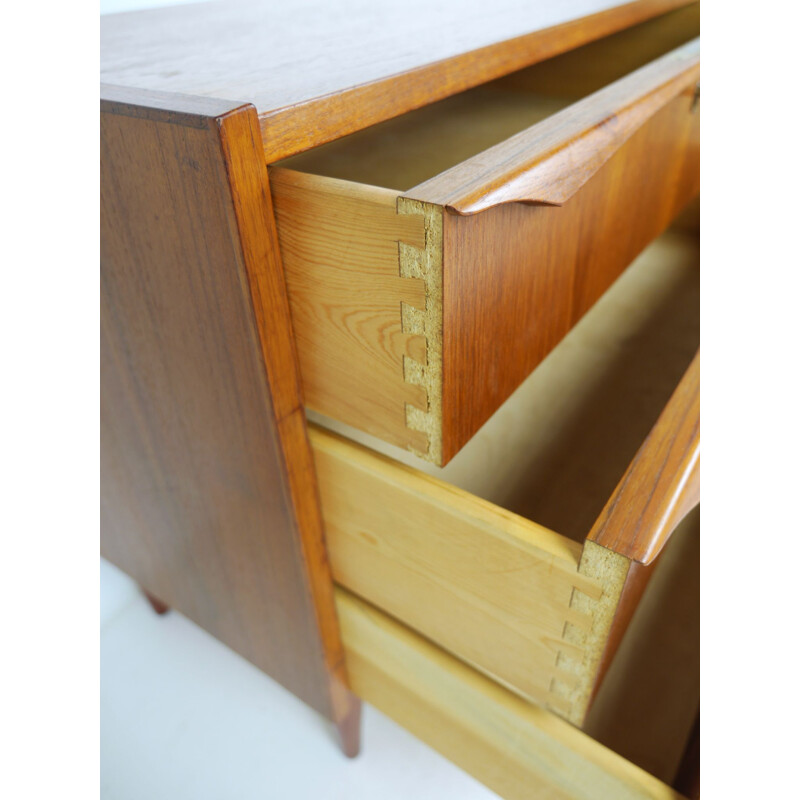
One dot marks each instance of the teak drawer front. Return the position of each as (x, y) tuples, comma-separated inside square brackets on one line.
[(538, 611), (418, 313)]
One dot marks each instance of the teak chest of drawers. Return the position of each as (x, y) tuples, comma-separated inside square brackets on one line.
[(415, 236)]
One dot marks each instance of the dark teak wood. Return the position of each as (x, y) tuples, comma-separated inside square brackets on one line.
[(371, 61), (525, 269), (209, 495), (662, 483)]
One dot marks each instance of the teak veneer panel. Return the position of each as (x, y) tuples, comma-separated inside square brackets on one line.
[(208, 491), (662, 483), (370, 61), (527, 274), (517, 749)]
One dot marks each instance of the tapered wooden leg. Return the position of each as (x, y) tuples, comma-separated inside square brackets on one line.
[(348, 720), (159, 607)]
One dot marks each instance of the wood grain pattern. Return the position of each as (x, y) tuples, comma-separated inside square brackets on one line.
[(433, 557), (662, 483), (209, 497), (517, 749), (524, 275), (549, 162), (370, 61), (340, 246), (490, 587)]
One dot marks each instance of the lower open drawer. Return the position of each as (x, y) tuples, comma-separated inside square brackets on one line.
[(539, 605), (517, 749)]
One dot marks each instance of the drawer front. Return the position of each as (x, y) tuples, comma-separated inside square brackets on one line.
[(418, 313)]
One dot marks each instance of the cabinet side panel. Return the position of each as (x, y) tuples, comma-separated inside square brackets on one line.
[(201, 413)]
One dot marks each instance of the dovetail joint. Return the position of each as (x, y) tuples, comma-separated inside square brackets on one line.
[(609, 570), (425, 264)]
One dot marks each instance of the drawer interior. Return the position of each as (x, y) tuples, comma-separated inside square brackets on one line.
[(408, 150), (556, 449)]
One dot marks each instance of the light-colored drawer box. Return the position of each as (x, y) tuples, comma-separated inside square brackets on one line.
[(432, 262), (532, 607), (518, 749)]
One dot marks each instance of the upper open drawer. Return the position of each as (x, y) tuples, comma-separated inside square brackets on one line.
[(434, 260)]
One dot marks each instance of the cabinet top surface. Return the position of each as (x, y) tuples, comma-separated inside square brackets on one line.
[(304, 56)]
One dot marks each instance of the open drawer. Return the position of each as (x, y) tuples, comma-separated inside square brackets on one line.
[(528, 559), (434, 260), (517, 749)]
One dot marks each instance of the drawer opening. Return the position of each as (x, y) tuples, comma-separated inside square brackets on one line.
[(555, 450), (406, 151)]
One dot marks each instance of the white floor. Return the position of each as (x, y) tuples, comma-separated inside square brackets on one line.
[(182, 716)]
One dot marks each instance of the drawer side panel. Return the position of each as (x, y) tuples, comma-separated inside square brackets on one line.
[(487, 585), (359, 319)]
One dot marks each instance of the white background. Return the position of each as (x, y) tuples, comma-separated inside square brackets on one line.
[(49, 347), (182, 716)]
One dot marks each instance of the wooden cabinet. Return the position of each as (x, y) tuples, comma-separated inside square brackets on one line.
[(451, 250)]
